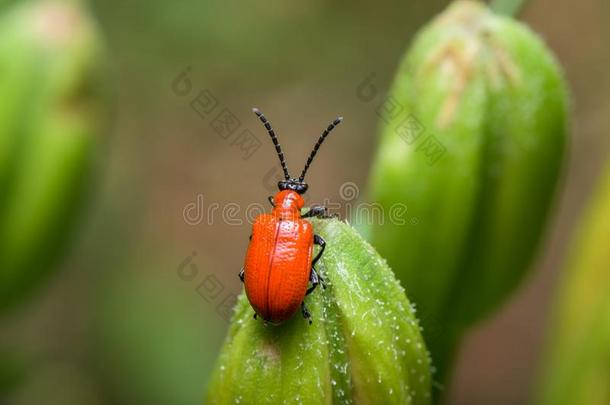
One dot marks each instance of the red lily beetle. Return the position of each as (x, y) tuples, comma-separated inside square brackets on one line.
[(279, 264)]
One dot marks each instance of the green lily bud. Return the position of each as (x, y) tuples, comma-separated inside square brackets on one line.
[(577, 366), (364, 345), (473, 145), (51, 114)]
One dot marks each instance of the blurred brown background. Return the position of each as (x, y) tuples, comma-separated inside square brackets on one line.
[(126, 320)]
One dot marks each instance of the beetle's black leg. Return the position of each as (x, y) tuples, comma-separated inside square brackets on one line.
[(305, 312), (321, 280), (241, 272), (318, 211), (255, 315), (270, 198), (314, 279), (317, 240)]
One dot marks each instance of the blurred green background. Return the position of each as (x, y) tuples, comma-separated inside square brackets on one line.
[(133, 316)]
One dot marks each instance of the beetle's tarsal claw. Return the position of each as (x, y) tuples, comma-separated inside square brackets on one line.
[(306, 313)]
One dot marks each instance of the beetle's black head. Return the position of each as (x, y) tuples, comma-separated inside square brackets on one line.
[(294, 185), (289, 183)]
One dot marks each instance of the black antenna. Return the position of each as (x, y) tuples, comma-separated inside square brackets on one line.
[(332, 126), (278, 148)]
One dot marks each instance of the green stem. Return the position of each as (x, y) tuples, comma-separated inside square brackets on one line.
[(507, 7)]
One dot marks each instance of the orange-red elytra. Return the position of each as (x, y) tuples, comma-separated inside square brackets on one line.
[(280, 258)]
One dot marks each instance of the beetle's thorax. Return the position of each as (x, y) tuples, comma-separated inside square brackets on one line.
[(288, 204)]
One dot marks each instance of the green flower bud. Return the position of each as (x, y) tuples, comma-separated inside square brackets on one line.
[(475, 155), (51, 114), (577, 366), (364, 345)]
